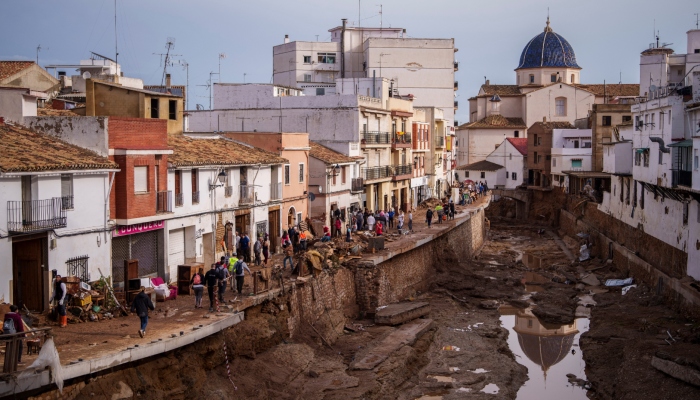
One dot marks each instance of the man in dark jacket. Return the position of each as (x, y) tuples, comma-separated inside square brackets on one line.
[(141, 304), (210, 280), (19, 327)]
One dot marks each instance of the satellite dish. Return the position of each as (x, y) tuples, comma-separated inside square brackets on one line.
[(312, 196), (86, 75), (652, 88)]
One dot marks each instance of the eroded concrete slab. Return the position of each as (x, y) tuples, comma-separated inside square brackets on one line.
[(406, 334), (395, 314)]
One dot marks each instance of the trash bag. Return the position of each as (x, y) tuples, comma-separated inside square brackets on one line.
[(48, 357)]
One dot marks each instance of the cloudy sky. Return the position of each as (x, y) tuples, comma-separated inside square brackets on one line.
[(607, 35)]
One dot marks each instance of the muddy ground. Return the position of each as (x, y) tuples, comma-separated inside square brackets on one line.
[(523, 266)]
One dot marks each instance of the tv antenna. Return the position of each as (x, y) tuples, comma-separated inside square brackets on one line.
[(169, 45), (208, 86), (38, 49), (697, 20), (222, 56), (381, 16)]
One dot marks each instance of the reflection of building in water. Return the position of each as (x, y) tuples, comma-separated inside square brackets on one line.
[(543, 344)]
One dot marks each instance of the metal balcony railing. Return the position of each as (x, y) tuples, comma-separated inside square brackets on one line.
[(456, 66), (375, 137), (67, 202), (439, 141), (195, 197), (275, 191), (228, 192), (247, 194), (164, 202), (36, 215), (456, 85), (404, 169), (179, 199), (456, 105), (358, 185), (404, 138), (376, 172)]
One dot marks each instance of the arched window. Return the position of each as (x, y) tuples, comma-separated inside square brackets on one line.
[(560, 106)]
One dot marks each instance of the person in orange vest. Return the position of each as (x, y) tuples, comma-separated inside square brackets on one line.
[(302, 240)]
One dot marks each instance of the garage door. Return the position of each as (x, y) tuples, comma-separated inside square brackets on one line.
[(176, 250)]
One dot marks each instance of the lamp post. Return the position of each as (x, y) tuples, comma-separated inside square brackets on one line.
[(221, 178)]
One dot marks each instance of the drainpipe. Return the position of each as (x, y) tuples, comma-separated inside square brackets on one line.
[(342, 48), (660, 141)]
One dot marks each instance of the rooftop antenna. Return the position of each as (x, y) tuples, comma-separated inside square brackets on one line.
[(381, 16), (244, 74), (697, 20), (317, 38), (38, 49), (169, 45), (222, 56), (208, 86), (116, 47), (186, 66)]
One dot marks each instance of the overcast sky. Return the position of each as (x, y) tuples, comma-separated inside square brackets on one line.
[(607, 35)]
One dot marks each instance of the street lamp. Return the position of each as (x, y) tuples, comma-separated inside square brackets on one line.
[(221, 178)]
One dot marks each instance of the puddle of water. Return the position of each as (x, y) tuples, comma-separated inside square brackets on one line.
[(491, 388), (479, 371), (464, 390), (532, 281), (454, 369), (546, 352), (440, 378), (532, 261)]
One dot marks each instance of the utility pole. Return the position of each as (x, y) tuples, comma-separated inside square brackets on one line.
[(38, 49), (116, 47), (221, 57)]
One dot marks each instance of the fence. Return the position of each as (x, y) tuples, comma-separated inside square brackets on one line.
[(34, 215)]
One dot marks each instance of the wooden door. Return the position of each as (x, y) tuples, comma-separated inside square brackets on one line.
[(274, 220), (27, 257)]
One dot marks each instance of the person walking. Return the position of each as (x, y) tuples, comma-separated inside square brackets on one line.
[(141, 304), (223, 275), (257, 249), (266, 248), (12, 323), (288, 252), (401, 218), (59, 296), (439, 211), (410, 220), (245, 247), (197, 283), (210, 280), (239, 269), (429, 217)]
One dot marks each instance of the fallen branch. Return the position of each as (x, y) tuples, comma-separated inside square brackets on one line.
[(322, 338)]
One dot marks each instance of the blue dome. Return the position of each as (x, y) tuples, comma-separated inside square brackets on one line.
[(548, 49)]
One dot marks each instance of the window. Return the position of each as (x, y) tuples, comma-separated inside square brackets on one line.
[(560, 106), (301, 172), (573, 78), (554, 162), (510, 156), (466, 174), (576, 144), (172, 110), (626, 118), (483, 175), (326, 58), (286, 174), (516, 134), (536, 158), (140, 179), (307, 59), (696, 160), (637, 158), (539, 141), (576, 163), (607, 120), (195, 186), (548, 157), (320, 91), (343, 174), (553, 78), (514, 176), (532, 78), (645, 157), (641, 197), (334, 175), (637, 123), (539, 158), (67, 191), (307, 77), (154, 109), (534, 139), (661, 119)]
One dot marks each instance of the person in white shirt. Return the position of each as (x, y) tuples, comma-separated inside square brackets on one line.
[(370, 221)]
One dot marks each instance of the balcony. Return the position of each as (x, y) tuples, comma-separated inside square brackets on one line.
[(164, 202), (682, 178), (376, 137), (401, 141), (456, 66), (195, 197), (439, 141), (456, 85), (179, 199), (357, 185), (67, 202), (456, 107), (247, 195), (401, 172), (275, 191), (35, 215), (228, 192), (374, 173)]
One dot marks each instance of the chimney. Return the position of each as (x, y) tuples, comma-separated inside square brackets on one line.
[(544, 119), (167, 81), (488, 82), (403, 33), (286, 38), (342, 48)]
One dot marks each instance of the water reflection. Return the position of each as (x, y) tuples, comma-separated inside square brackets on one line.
[(546, 350)]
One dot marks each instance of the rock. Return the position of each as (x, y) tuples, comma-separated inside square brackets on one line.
[(400, 313), (125, 392), (489, 304), (680, 372), (313, 374), (518, 303), (580, 286), (590, 280)]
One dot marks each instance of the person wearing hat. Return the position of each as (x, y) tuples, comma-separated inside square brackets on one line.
[(141, 304)]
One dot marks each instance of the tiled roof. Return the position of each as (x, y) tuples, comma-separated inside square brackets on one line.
[(480, 166), (501, 90), (9, 68), (24, 150), (625, 89), (152, 93), (496, 121), (192, 152), (50, 112), (554, 125), (327, 155), (520, 144)]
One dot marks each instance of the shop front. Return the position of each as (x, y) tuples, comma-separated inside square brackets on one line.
[(142, 242)]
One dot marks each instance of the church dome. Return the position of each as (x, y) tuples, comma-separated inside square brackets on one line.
[(548, 49)]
